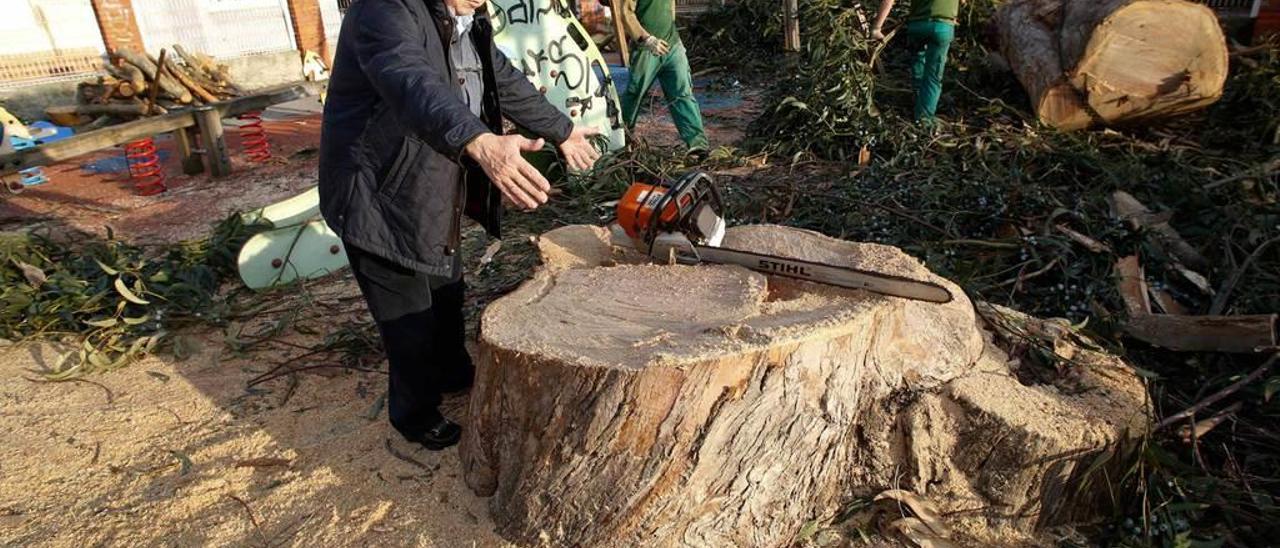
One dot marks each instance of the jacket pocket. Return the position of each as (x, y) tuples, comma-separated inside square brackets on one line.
[(401, 167)]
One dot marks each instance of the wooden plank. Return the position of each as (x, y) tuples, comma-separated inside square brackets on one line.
[(192, 164), (90, 141), (791, 25), (1131, 282), (213, 141), (1240, 334), (621, 35), (57, 151), (267, 97)]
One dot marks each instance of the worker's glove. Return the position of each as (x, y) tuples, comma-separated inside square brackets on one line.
[(655, 45)]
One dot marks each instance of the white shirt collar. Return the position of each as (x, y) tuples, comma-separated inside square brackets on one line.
[(461, 23)]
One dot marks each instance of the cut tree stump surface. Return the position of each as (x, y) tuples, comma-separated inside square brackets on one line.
[(642, 315), (619, 403)]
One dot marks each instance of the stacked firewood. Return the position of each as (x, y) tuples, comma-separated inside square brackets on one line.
[(138, 84)]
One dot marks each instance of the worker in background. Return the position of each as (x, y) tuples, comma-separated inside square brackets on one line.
[(657, 52), (411, 141), (931, 27)]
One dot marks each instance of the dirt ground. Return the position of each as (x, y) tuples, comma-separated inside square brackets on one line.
[(181, 453), (163, 453)]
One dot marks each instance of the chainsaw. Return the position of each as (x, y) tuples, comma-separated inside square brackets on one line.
[(681, 221)]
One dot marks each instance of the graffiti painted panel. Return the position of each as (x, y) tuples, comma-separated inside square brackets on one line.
[(544, 40)]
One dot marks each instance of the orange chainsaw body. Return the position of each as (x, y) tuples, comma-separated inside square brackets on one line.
[(636, 208)]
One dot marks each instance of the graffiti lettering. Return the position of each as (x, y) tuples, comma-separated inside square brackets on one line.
[(559, 56), (556, 54), (526, 12)]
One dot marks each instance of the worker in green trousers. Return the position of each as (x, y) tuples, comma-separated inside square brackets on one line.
[(657, 53), (931, 26)]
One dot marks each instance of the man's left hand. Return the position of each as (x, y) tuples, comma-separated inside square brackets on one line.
[(578, 151)]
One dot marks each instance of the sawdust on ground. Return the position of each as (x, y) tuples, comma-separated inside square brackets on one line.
[(167, 452), (184, 453)]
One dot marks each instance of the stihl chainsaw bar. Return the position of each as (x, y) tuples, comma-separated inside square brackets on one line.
[(851, 278), (682, 220)]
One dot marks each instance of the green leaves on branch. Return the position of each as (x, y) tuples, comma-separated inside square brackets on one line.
[(116, 301), (129, 295)]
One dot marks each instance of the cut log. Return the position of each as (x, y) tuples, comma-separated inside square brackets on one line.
[(204, 64), (1114, 61), (1030, 46), (90, 92), (148, 67), (126, 90), (129, 73), (623, 404), (172, 69)]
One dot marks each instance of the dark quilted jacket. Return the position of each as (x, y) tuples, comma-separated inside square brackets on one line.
[(394, 129)]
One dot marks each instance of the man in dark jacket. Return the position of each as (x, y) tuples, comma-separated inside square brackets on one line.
[(412, 140)]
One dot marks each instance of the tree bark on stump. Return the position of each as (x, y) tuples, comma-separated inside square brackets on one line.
[(626, 404), (1086, 62)]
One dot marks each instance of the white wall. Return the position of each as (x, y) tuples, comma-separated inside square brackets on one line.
[(220, 28), (30, 26)]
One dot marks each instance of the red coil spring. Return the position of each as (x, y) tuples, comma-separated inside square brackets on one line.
[(254, 138), (144, 167)]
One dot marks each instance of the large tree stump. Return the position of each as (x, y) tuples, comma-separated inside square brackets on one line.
[(1086, 62), (622, 404)]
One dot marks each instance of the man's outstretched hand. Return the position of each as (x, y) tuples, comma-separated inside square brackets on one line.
[(499, 157), (578, 150)]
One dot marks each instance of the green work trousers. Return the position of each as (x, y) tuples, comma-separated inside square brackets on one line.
[(672, 71), (929, 41)]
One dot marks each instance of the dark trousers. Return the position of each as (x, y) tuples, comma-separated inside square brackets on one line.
[(423, 331)]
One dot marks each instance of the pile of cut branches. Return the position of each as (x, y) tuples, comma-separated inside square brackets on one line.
[(114, 301), (1025, 216)]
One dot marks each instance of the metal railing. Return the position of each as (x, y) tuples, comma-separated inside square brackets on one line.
[(30, 69), (48, 41)]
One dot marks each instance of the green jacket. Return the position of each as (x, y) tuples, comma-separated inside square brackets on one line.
[(944, 10), (641, 18)]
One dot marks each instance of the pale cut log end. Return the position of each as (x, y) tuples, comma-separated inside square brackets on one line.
[(576, 246), (1062, 107), (1153, 59)]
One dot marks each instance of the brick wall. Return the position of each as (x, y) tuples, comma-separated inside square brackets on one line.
[(118, 25), (308, 27)]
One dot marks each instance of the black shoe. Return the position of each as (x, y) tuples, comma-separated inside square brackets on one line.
[(697, 155), (443, 435)]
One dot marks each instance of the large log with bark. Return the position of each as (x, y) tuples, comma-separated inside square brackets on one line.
[(627, 404), (1086, 62)]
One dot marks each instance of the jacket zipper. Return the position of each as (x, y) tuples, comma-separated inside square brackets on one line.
[(455, 233)]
